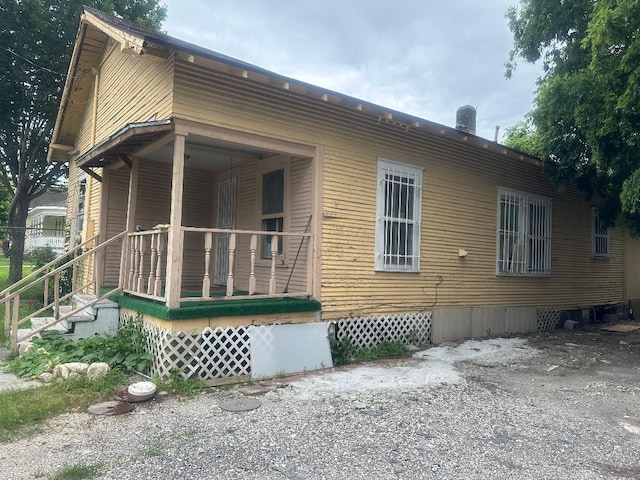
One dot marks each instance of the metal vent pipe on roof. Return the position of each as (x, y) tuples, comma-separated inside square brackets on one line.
[(466, 119)]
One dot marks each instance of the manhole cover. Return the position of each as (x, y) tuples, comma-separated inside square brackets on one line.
[(110, 408), (240, 404)]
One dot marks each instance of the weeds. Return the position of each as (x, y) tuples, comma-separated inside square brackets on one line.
[(344, 352), (76, 472), (124, 351), (155, 450), (179, 385)]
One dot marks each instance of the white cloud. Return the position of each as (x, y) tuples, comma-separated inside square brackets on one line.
[(422, 58)]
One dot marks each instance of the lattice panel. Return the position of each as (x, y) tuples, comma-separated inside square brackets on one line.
[(367, 332), (212, 353), (548, 318), (225, 352), (173, 350)]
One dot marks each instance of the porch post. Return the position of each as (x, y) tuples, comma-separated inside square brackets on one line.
[(131, 221), (174, 238), (102, 229)]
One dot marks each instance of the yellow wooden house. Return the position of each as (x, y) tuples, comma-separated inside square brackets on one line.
[(248, 198)]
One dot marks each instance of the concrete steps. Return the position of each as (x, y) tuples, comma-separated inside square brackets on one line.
[(100, 318)]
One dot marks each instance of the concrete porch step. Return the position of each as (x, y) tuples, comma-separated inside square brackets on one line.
[(81, 316), (60, 327)]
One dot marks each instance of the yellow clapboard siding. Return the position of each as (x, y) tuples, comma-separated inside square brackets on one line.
[(459, 196), (130, 89), (459, 203)]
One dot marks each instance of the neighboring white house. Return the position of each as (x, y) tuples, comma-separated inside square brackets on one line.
[(46, 221)]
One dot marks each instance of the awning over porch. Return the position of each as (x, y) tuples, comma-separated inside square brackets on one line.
[(122, 144)]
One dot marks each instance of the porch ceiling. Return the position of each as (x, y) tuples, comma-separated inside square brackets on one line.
[(200, 152), (211, 154)]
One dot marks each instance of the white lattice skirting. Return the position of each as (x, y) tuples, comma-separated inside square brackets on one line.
[(207, 354), (548, 318), (367, 332)]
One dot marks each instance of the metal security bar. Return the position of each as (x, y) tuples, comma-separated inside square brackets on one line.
[(600, 231), (524, 234), (398, 234)]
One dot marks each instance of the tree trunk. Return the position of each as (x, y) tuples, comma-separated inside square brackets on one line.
[(17, 228)]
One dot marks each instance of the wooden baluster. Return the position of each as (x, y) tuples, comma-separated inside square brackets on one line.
[(132, 262), (7, 316), (157, 289), (14, 324), (206, 281), (45, 294), (252, 275), (232, 254), (152, 263), (74, 277), (56, 295), (274, 253), (141, 269)]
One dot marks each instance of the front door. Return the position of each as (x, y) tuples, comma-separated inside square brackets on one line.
[(226, 219)]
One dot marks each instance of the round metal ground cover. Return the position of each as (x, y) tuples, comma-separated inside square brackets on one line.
[(110, 408), (243, 404)]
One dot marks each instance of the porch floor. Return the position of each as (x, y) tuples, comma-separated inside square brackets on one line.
[(218, 308)]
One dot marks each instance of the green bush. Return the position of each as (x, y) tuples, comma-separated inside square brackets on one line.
[(125, 351), (40, 256)]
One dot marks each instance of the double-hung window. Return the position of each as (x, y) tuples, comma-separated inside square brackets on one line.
[(599, 236), (524, 234), (272, 209), (399, 198)]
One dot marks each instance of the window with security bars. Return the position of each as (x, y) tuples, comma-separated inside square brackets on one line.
[(398, 217), (523, 234), (600, 236), (272, 209)]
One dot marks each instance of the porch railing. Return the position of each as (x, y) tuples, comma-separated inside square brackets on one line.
[(78, 268), (219, 264)]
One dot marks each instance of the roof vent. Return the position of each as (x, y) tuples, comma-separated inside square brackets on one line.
[(466, 119)]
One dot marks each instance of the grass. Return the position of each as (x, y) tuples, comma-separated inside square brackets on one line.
[(30, 300), (79, 471), (179, 385), (23, 410), (344, 352)]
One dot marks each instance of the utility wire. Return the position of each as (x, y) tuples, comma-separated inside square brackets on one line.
[(34, 64)]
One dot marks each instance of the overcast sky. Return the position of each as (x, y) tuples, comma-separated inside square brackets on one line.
[(421, 57)]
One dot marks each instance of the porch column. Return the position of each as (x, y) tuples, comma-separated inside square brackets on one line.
[(102, 229), (174, 239), (131, 220)]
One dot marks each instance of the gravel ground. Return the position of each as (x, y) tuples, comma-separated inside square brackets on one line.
[(559, 406)]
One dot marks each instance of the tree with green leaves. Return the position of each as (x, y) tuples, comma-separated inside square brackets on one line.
[(585, 123), (36, 41)]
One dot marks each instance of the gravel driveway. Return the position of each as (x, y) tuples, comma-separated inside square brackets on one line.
[(558, 406)]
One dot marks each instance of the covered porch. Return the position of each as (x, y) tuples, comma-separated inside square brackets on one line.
[(211, 214)]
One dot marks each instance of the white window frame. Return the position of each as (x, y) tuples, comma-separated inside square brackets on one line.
[(79, 220), (264, 167), (599, 236), (523, 234), (391, 259)]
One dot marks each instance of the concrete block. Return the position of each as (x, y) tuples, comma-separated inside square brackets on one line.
[(571, 325), (521, 320), (453, 323), (487, 321)]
